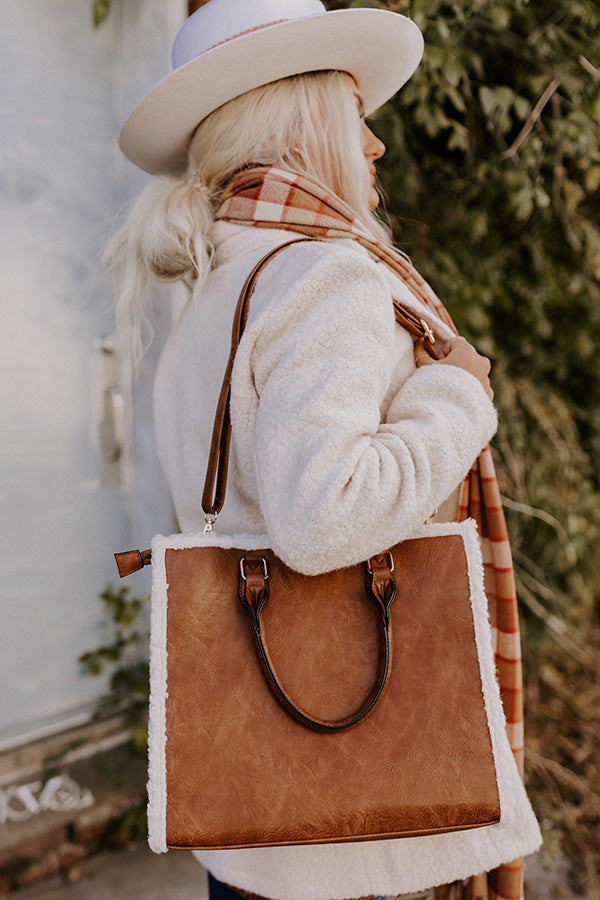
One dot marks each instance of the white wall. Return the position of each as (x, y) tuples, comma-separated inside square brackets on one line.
[(65, 87)]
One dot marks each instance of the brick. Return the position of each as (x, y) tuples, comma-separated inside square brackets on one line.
[(40, 869), (91, 825), (35, 846), (88, 832), (69, 854)]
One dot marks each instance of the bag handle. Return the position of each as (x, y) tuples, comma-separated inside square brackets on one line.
[(215, 483), (254, 596)]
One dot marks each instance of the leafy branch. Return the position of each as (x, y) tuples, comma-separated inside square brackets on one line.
[(125, 656)]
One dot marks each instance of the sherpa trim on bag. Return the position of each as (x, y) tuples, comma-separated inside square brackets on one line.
[(339, 870), (157, 729)]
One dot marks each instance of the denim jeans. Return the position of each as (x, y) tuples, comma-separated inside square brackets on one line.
[(219, 891)]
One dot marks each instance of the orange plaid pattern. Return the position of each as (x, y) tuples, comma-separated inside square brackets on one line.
[(273, 198)]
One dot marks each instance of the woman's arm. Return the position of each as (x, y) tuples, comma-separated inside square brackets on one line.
[(335, 483)]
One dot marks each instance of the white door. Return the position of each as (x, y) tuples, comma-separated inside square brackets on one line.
[(65, 88)]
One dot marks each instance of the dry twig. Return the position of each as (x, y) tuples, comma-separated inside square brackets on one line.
[(534, 116)]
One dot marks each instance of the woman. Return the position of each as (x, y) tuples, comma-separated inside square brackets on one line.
[(346, 436)]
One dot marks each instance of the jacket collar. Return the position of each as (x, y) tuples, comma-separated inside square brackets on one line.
[(230, 241)]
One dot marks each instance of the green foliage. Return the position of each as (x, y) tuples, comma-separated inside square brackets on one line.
[(125, 656), (493, 182), (132, 825), (492, 175), (100, 11)]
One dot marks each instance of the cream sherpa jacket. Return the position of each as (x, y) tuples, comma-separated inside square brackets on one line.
[(340, 446)]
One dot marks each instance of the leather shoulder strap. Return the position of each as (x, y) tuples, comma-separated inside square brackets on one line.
[(215, 483)]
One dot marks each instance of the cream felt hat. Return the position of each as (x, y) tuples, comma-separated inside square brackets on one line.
[(229, 47)]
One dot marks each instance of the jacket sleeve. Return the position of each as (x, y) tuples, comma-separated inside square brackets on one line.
[(335, 483)]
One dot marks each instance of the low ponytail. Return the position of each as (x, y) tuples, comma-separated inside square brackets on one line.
[(164, 237)]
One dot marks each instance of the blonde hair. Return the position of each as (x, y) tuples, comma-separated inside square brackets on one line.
[(306, 123)]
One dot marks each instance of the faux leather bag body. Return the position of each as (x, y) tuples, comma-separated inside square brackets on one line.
[(239, 770)]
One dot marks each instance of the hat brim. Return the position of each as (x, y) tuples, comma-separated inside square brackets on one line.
[(380, 49)]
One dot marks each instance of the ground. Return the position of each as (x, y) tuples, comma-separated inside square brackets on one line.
[(136, 873)]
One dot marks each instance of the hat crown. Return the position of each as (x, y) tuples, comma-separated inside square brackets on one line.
[(220, 21)]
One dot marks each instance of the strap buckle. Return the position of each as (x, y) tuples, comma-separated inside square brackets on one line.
[(428, 332), (209, 521), (390, 562), (243, 567)]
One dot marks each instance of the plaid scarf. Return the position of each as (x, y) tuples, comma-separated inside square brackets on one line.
[(268, 197)]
